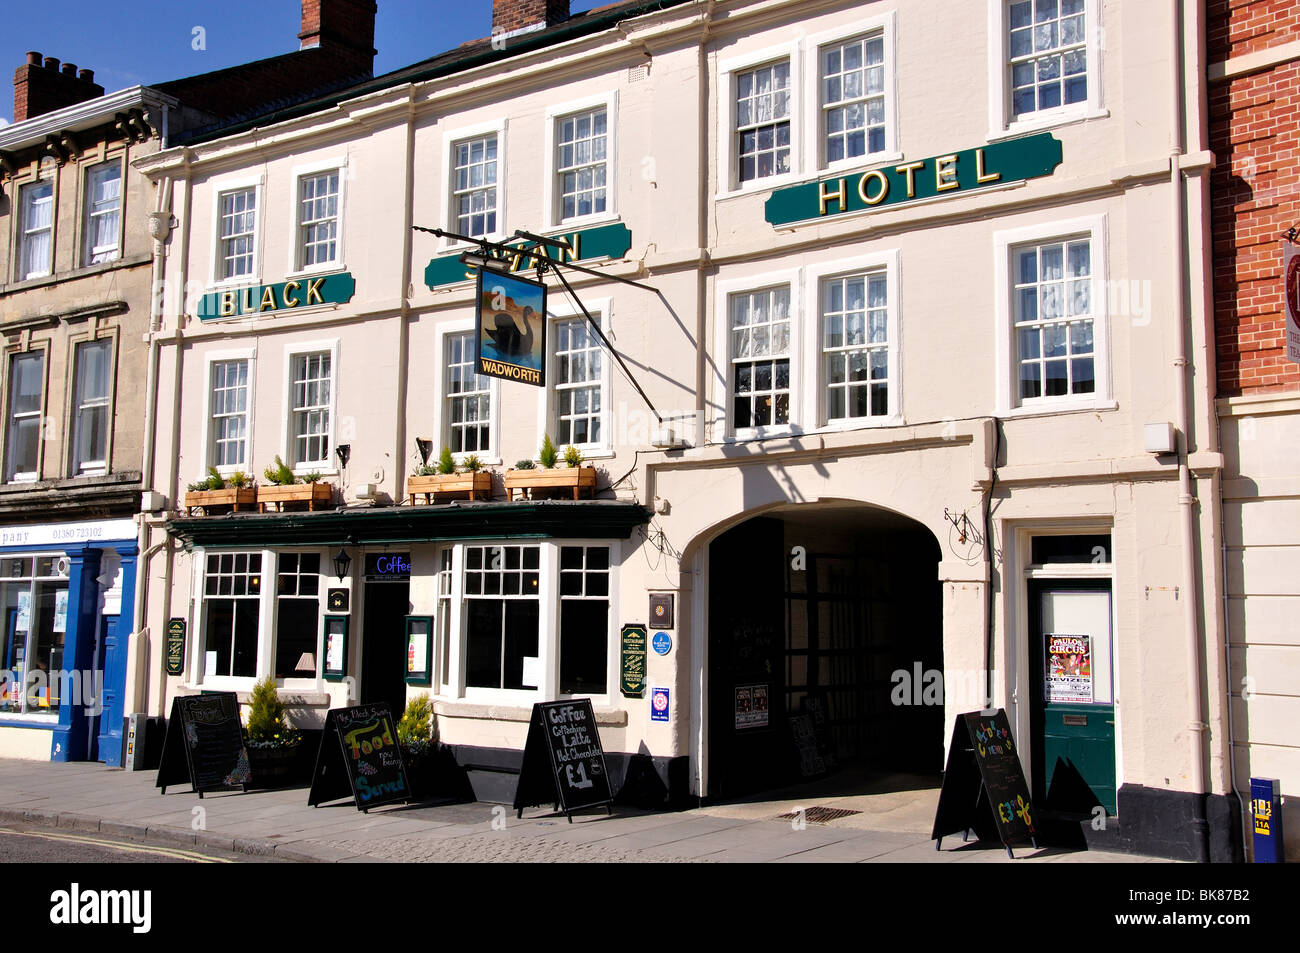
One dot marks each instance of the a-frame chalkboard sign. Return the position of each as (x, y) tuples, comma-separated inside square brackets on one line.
[(204, 746), (983, 785), (564, 763), (359, 757)]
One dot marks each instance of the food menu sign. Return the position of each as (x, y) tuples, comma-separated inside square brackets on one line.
[(205, 745), (1069, 668), (359, 755), (984, 769), (632, 661)]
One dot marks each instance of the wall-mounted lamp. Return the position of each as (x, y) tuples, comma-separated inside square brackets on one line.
[(425, 447), (484, 261), (341, 563), (344, 452)]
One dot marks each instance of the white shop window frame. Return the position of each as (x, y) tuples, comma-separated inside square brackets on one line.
[(814, 143), (601, 309), (1002, 124), (551, 194), (222, 187), (723, 290), (728, 183), (87, 251), (328, 466), (294, 267), (450, 139), (441, 421), (1006, 360), (888, 261), (209, 460), (548, 637), (266, 621), (21, 203)]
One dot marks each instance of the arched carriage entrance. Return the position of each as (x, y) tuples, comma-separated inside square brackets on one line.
[(825, 648)]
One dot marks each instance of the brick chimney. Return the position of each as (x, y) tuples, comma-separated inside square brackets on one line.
[(511, 15), (345, 28), (42, 86)]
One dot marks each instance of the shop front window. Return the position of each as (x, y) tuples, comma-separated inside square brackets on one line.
[(502, 616), (232, 591), (297, 615), (584, 620), (34, 608)]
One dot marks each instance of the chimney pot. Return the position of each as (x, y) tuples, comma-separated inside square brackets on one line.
[(51, 63), (86, 75), (33, 58), (69, 69)]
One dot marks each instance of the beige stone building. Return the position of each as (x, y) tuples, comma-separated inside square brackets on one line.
[(925, 422)]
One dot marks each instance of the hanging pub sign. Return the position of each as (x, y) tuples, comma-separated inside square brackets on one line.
[(632, 661), (511, 327), (256, 300), (1291, 294), (564, 763), (204, 746), (997, 164), (984, 787), (175, 646), (604, 241), (359, 757)]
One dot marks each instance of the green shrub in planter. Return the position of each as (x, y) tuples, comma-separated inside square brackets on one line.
[(268, 725)]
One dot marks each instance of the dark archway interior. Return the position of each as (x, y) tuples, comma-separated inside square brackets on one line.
[(825, 648)]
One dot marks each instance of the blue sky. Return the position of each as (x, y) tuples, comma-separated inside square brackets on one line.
[(137, 42)]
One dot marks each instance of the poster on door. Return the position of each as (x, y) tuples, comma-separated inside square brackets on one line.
[(1069, 668)]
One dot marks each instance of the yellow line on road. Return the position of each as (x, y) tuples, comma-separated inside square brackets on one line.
[(120, 845)]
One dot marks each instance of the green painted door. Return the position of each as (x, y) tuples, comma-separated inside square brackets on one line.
[(1073, 698)]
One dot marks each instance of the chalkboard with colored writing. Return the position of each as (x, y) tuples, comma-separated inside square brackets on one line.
[(359, 757), (204, 746), (984, 785), (564, 763)]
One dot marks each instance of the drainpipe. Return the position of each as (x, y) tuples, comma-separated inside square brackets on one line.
[(1197, 726), (159, 230), (404, 317)]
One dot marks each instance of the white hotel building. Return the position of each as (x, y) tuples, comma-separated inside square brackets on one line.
[(930, 339)]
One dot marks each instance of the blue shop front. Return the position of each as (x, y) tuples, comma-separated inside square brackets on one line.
[(67, 595)]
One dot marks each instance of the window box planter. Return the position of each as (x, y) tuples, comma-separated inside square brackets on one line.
[(231, 498), (558, 481), (309, 493), (441, 486)]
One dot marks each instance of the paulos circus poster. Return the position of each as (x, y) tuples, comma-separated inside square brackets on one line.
[(1069, 668), (511, 328)]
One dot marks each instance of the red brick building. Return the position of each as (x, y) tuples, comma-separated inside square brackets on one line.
[(1254, 75)]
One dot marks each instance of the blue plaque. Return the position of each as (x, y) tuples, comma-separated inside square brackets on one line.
[(663, 643)]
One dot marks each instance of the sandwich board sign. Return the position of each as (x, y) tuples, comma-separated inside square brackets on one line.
[(359, 757), (204, 746), (984, 785), (564, 763)]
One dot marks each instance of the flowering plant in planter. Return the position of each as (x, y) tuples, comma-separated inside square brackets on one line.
[(268, 725)]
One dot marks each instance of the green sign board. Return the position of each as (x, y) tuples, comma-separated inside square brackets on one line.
[(948, 175), (632, 666), (175, 646), (255, 300), (605, 241)]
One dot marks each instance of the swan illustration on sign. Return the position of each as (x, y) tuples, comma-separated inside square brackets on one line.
[(511, 328)]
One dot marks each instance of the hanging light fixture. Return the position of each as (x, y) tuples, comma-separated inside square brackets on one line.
[(341, 563)]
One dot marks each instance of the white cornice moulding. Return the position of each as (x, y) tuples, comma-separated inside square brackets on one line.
[(92, 112), (1263, 59)]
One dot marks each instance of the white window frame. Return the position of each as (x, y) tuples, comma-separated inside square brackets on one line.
[(601, 309), (88, 213), (1002, 124), (224, 187), (25, 203), (270, 630), (441, 419), (209, 460), (888, 262), (77, 467), (1007, 358), (12, 357), (450, 139), (299, 173), (551, 192), (723, 291), (814, 135), (728, 71), (326, 467), (265, 658), (548, 637)]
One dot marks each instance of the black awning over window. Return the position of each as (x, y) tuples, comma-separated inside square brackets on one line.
[(549, 519)]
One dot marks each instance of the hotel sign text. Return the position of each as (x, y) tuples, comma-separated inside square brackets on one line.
[(955, 174)]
